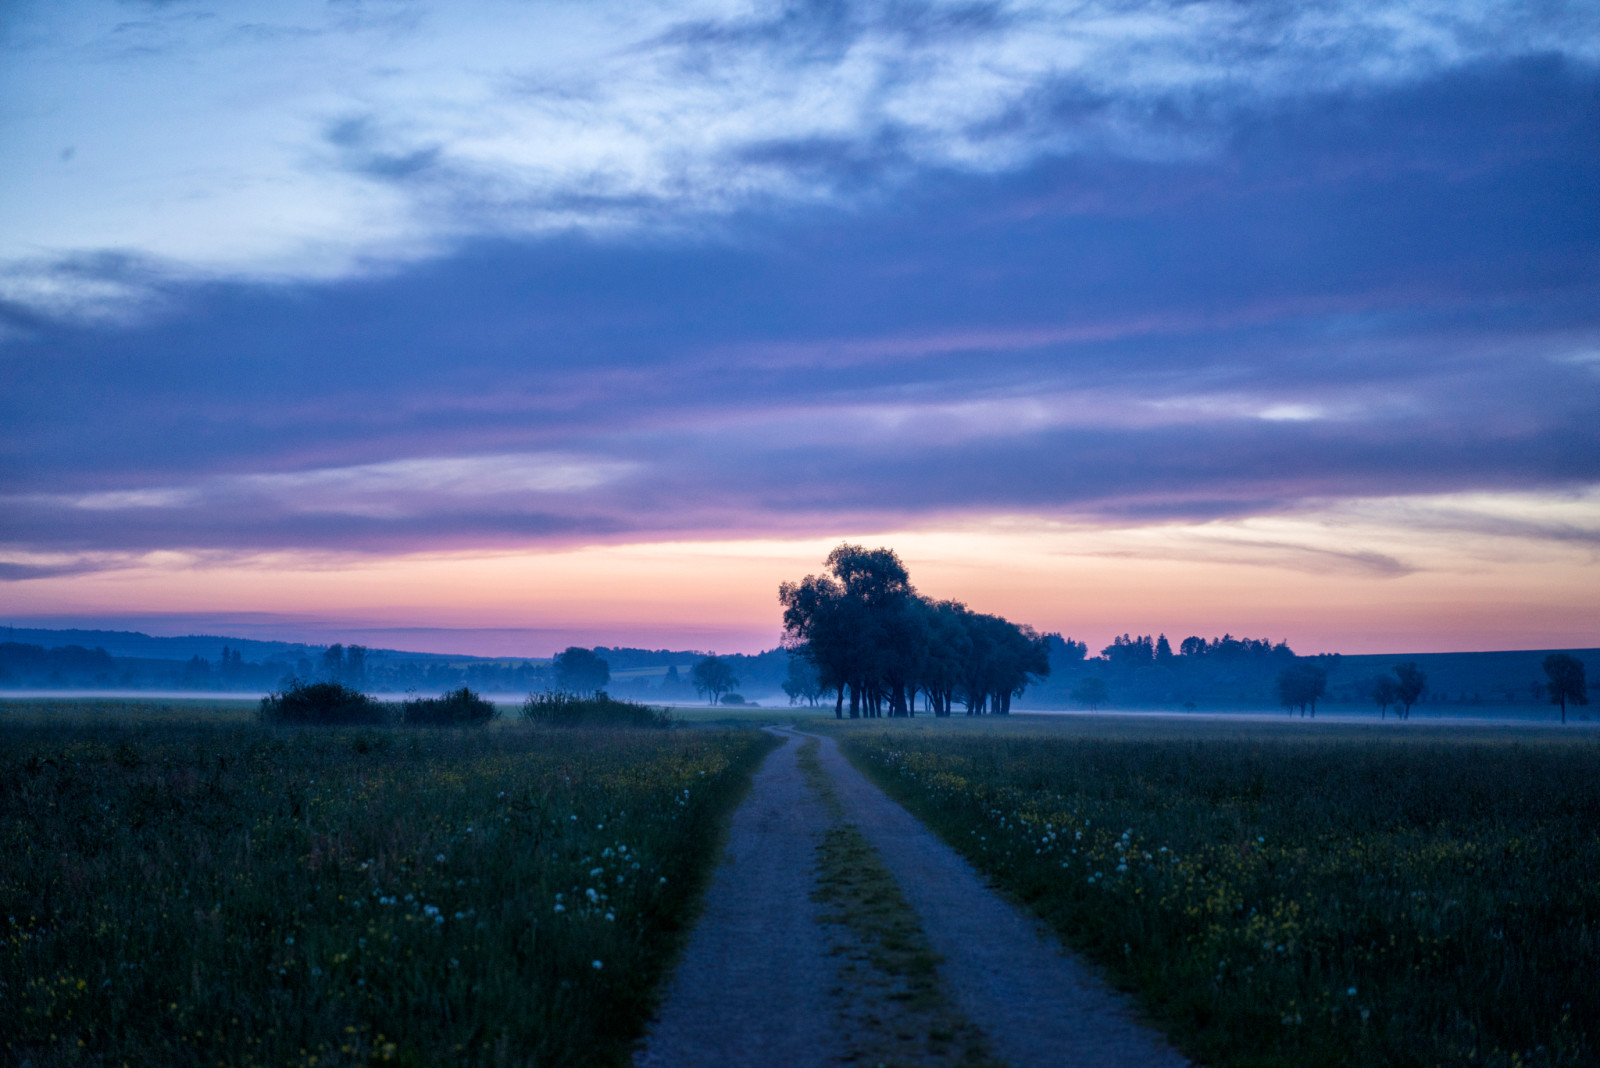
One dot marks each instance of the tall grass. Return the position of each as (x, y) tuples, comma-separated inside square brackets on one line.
[(1310, 903), (185, 894)]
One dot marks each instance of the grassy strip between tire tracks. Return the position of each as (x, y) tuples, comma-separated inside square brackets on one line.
[(179, 892), (897, 1012), (1295, 903)]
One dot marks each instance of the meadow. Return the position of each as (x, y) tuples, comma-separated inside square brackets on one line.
[(180, 885), (1285, 894)]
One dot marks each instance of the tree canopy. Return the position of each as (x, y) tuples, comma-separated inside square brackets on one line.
[(581, 671), (872, 638), (712, 676), (1567, 681)]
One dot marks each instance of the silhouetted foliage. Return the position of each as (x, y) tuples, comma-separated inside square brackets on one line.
[(713, 678), (1567, 681), (1385, 692), (321, 704), (802, 682), (1091, 692), (871, 637), (1411, 683), (599, 710), (1301, 685), (458, 708), (581, 671)]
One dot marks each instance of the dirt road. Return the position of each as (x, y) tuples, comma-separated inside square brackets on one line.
[(760, 980)]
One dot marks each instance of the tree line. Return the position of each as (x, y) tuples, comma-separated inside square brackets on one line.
[(867, 637)]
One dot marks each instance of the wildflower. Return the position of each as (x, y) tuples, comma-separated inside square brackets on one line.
[(560, 907), (439, 858), (594, 898), (597, 965), (1351, 992), (430, 910), (593, 872), (289, 941), (612, 916)]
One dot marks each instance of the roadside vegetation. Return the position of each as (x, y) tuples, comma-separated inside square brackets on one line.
[(1277, 901), (182, 892)]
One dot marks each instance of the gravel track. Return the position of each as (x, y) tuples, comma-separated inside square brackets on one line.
[(1009, 974), (757, 984)]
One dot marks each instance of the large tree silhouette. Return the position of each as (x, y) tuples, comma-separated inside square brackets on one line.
[(873, 639)]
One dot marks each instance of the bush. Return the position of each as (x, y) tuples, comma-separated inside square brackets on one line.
[(568, 710), (321, 703), (733, 699), (458, 708)]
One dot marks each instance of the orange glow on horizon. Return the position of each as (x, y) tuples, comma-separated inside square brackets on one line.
[(1345, 583)]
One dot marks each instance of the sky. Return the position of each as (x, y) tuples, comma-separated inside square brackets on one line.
[(496, 326)]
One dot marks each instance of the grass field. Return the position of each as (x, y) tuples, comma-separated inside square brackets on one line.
[(1288, 894), (180, 886)]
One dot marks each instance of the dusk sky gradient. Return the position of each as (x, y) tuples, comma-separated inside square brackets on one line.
[(495, 326)]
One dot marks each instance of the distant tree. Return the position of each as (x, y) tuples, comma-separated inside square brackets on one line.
[(581, 671), (1301, 685), (1411, 684), (333, 662), (1567, 682), (802, 683), (713, 676), (1385, 691), (355, 666), (1163, 650), (1091, 692), (1065, 650)]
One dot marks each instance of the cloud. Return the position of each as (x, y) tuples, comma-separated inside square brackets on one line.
[(1365, 293), (310, 141)]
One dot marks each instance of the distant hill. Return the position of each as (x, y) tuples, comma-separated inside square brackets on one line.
[(41, 659), (1236, 675), (127, 643)]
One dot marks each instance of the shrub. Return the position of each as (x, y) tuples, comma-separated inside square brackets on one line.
[(319, 703), (458, 708), (733, 699), (558, 709)]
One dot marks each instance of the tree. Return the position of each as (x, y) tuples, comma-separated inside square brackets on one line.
[(355, 666), (1385, 691), (1567, 682), (1092, 692), (333, 662), (1300, 685), (713, 676), (869, 634), (802, 683), (581, 671), (1411, 684)]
